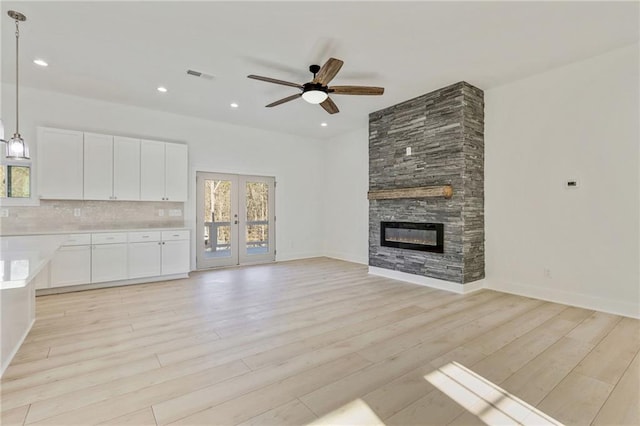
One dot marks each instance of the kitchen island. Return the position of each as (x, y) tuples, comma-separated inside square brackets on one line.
[(23, 263)]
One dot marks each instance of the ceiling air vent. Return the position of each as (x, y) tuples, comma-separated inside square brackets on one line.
[(200, 74)]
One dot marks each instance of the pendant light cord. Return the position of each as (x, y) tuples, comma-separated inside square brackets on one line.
[(17, 74)]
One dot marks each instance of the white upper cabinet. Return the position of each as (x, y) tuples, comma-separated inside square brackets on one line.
[(176, 172), (98, 167), (151, 171), (111, 167), (75, 166), (60, 164), (163, 171), (126, 168)]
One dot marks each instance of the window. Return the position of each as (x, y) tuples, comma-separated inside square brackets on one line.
[(15, 180)]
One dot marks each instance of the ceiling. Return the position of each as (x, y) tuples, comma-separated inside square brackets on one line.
[(122, 51)]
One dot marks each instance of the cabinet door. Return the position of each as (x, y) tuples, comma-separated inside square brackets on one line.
[(108, 262), (175, 257), (60, 164), (144, 259), (151, 171), (126, 168), (98, 167), (176, 172), (71, 266)]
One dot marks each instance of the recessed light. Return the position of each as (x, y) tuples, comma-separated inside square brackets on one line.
[(40, 62), (233, 105), (162, 89), (324, 124)]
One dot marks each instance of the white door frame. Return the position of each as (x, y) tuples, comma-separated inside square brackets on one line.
[(239, 254)]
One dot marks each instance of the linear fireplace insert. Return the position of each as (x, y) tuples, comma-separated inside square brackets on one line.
[(413, 236)]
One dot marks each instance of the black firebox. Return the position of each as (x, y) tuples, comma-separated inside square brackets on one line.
[(413, 236)]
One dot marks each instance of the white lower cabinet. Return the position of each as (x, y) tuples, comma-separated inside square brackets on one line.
[(108, 262), (158, 253), (175, 257), (119, 256), (71, 265), (145, 258)]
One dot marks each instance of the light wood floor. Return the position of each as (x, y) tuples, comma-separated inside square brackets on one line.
[(289, 342)]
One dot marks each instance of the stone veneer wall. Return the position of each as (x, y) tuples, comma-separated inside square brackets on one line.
[(53, 216), (445, 130)]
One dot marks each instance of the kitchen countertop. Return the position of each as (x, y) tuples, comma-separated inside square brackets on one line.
[(22, 258), (90, 231)]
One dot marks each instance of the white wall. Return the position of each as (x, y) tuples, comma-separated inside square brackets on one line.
[(576, 122), (346, 213), (296, 162)]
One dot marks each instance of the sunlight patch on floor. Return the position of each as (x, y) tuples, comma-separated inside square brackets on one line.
[(355, 413), (492, 404)]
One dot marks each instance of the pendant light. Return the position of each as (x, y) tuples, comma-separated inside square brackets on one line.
[(17, 149)]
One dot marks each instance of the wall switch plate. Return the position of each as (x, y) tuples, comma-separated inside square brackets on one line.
[(175, 212), (77, 212), (160, 212), (408, 150), (4, 212)]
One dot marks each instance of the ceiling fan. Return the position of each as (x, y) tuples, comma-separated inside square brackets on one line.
[(317, 90)]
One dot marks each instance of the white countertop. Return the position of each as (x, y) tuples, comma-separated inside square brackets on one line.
[(22, 258), (87, 231)]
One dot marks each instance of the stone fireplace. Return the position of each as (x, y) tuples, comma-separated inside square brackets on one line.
[(434, 140)]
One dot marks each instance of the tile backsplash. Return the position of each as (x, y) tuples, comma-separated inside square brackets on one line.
[(61, 215)]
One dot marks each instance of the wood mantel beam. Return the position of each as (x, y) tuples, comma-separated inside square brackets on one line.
[(445, 191)]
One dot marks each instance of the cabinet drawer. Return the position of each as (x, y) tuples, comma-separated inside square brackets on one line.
[(175, 235), (141, 237), (109, 238), (77, 240)]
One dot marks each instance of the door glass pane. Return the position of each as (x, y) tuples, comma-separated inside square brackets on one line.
[(217, 218), (257, 194)]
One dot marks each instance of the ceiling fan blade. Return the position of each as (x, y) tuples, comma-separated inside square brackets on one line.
[(328, 71), (356, 90), (283, 100), (273, 80), (329, 106)]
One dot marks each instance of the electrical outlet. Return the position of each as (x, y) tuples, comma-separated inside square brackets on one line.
[(160, 212), (77, 212), (175, 212), (4, 212), (547, 273), (408, 150)]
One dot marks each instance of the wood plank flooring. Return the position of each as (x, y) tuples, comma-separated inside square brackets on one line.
[(291, 342)]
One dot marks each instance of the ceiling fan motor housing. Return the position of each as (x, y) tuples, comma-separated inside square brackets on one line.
[(307, 87)]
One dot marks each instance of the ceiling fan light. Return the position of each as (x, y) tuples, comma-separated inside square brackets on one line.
[(315, 96), (17, 149)]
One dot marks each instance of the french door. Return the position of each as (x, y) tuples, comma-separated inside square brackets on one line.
[(236, 216)]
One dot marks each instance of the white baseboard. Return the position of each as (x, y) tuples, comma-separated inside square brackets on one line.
[(627, 309), (81, 287), (295, 256), (428, 282), (347, 257), (13, 353)]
